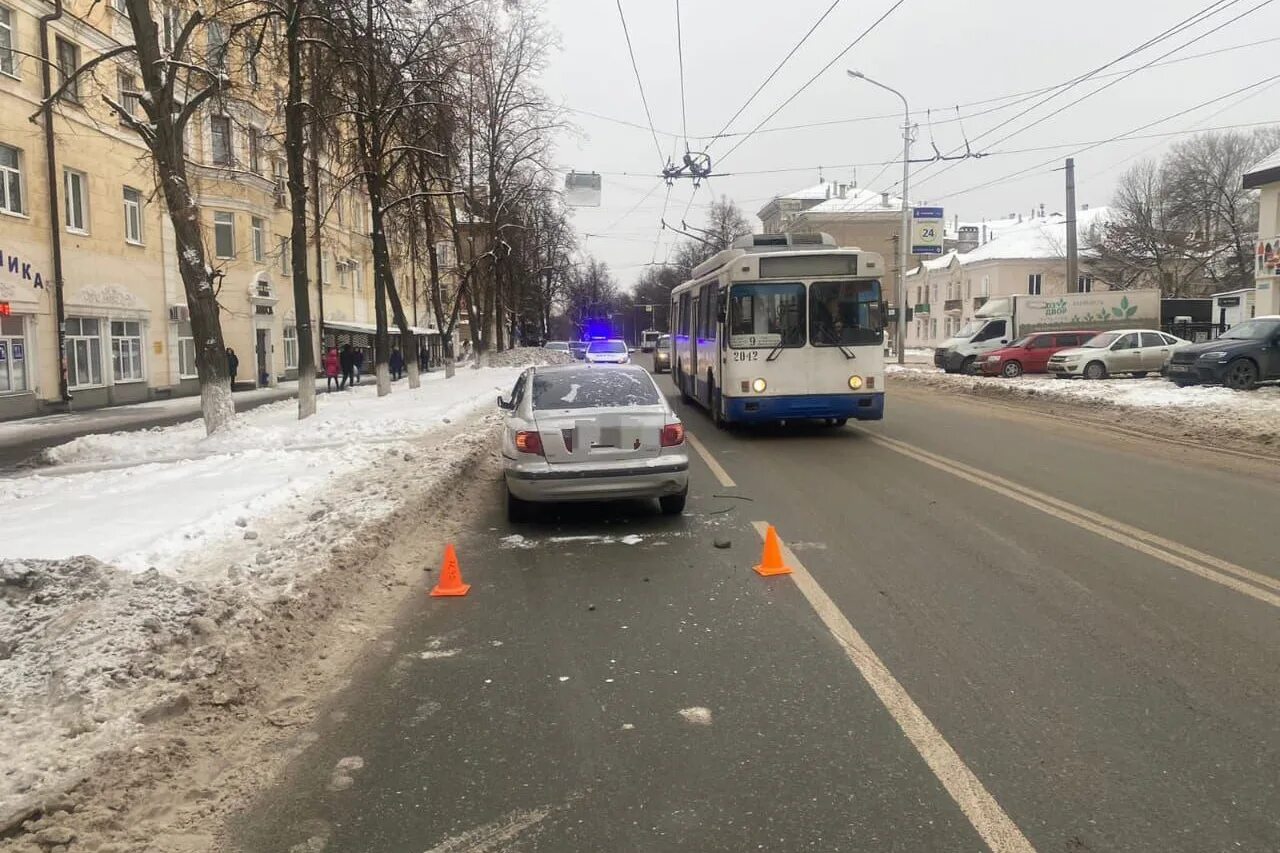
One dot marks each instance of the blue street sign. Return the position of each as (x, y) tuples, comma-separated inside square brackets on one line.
[(926, 213)]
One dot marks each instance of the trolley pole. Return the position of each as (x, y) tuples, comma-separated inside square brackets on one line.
[(904, 237)]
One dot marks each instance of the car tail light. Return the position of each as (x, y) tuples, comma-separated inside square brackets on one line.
[(528, 442), (672, 435)]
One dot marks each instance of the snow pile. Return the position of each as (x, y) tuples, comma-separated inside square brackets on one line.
[(126, 564), (1206, 409)]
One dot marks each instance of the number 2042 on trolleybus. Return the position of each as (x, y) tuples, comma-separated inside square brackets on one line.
[(782, 327)]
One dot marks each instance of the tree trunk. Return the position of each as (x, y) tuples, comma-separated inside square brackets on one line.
[(295, 118), (406, 333), (381, 278)]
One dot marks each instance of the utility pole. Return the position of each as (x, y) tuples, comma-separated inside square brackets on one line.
[(904, 237), (1073, 257)]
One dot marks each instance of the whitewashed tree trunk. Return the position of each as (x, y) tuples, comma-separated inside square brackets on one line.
[(411, 366), (306, 395), (384, 379), (216, 405), (449, 367)]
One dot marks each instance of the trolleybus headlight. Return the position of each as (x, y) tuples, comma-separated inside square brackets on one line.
[(758, 385), (855, 382)]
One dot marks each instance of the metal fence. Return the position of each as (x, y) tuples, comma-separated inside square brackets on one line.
[(1194, 332)]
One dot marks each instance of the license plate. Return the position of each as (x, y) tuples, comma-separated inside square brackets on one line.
[(1179, 368)]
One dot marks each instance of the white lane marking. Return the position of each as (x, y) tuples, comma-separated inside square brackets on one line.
[(721, 474), (986, 816), (1253, 584)]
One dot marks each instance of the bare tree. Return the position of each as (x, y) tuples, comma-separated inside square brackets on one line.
[(177, 79)]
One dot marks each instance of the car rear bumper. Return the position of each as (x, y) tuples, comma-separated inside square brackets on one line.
[(667, 476), (863, 407)]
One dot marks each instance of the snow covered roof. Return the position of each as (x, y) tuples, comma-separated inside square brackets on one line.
[(1265, 172), (817, 191), (857, 200), (941, 262), (1039, 237)]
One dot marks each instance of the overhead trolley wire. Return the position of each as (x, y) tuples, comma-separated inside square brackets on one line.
[(684, 116), (635, 68), (870, 28), (774, 72)]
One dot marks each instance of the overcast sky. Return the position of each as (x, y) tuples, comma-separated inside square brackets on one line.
[(939, 55)]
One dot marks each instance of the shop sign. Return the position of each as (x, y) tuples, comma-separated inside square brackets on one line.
[(18, 267)]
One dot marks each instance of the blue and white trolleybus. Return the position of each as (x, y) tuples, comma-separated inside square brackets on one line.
[(782, 327)]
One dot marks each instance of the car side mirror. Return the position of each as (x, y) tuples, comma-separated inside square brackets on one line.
[(1004, 340), (505, 404)]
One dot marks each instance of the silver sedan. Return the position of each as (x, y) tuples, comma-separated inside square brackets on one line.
[(1133, 351), (591, 433)]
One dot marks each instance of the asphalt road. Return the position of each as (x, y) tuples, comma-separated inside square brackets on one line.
[(1004, 633)]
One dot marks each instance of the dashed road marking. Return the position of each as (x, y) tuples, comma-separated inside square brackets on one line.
[(986, 816), (1253, 584), (716, 468)]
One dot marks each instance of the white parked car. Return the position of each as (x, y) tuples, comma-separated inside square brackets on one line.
[(608, 352), (1136, 352), (591, 433)]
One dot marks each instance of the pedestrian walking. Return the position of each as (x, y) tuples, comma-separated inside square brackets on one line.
[(358, 364), (233, 364), (347, 361), (396, 363), (332, 365)]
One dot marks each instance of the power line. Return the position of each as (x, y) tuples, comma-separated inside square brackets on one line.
[(1129, 73), (773, 73), (639, 85), (1118, 137), (1184, 24), (810, 81)]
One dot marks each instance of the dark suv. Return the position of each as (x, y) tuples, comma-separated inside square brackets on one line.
[(1240, 358)]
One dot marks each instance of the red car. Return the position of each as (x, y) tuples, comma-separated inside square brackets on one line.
[(1030, 353)]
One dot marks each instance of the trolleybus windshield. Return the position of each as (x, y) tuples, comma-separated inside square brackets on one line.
[(844, 313), (766, 315)]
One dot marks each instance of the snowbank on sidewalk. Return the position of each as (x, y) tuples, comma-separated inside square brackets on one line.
[(1202, 408), (126, 564)]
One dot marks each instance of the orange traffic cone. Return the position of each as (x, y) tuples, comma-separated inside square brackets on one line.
[(771, 562), (450, 576)]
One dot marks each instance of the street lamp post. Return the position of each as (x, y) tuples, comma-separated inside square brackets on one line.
[(904, 237)]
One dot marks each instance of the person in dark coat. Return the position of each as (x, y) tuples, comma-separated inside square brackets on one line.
[(347, 360), (396, 363), (358, 364), (233, 364)]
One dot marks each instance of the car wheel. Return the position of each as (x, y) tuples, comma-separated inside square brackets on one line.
[(1012, 369), (966, 366), (1140, 374), (1095, 370), (678, 376), (840, 422), (518, 511), (1242, 375), (674, 504)]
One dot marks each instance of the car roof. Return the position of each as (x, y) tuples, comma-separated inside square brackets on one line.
[(554, 369)]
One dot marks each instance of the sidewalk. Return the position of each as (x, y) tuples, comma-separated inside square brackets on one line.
[(22, 440)]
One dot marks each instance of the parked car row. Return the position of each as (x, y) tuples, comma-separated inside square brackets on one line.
[(599, 351), (1240, 358)]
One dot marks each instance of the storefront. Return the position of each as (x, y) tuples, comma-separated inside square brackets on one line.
[(23, 300), (361, 338)]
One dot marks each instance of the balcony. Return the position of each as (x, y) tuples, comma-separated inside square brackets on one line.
[(953, 306), (979, 301), (263, 292)]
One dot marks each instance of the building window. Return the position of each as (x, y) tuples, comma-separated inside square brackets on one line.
[(290, 346), (325, 267), (10, 180), (286, 262), (258, 229), (220, 134), (342, 274), (224, 234), (1084, 284), (252, 47), (357, 277), (1034, 283), (127, 93), (8, 56), (13, 356), (255, 151), (68, 56), (132, 215), (172, 27), (986, 286), (187, 357), (217, 47), (446, 261), (84, 353), (126, 350), (339, 205), (120, 6), (76, 185)]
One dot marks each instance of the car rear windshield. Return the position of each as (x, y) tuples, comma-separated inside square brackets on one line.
[(664, 342), (607, 346), (586, 389)]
